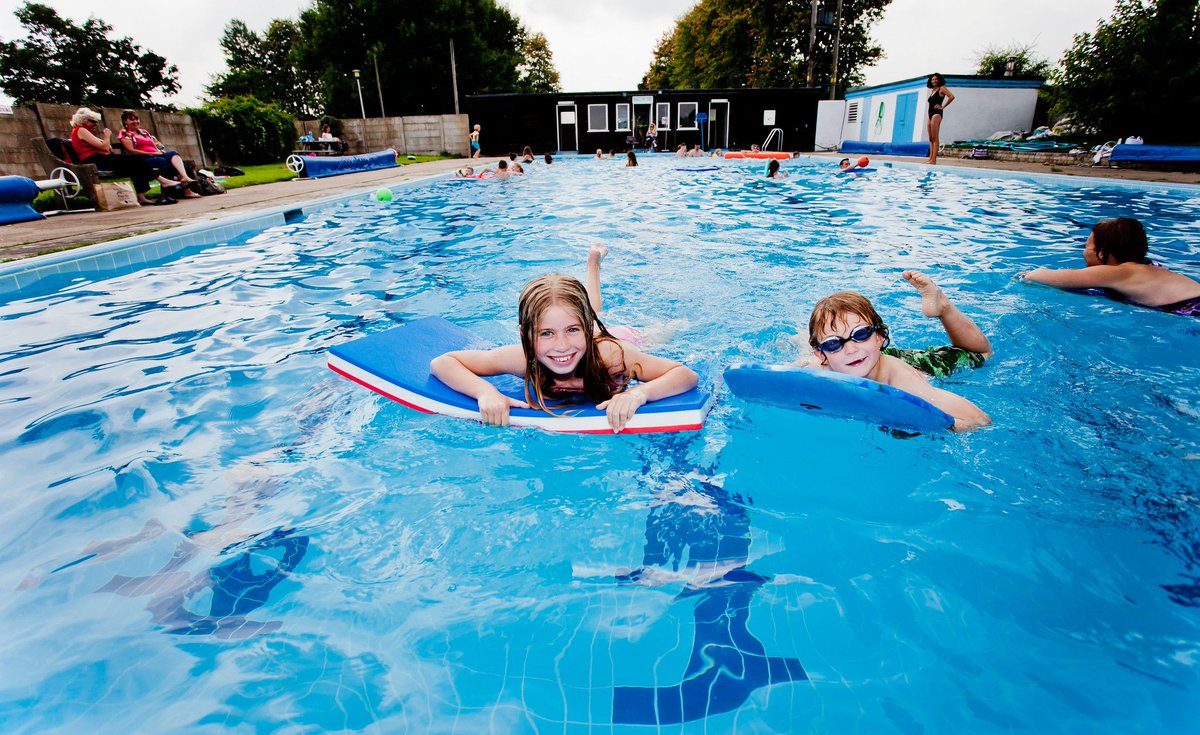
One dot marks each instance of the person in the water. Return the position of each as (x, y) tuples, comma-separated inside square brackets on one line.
[(1115, 260)]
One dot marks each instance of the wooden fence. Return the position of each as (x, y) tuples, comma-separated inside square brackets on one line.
[(416, 134), (426, 135), (17, 157)]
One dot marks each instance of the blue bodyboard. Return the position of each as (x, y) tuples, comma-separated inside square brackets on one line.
[(835, 394), (395, 364)]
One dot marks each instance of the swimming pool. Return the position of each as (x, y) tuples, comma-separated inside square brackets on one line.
[(208, 531)]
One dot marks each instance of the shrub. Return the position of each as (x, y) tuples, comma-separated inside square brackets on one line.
[(245, 130)]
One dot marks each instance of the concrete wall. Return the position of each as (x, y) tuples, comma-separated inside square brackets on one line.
[(830, 116), (979, 112), (416, 134), (175, 130), (976, 113)]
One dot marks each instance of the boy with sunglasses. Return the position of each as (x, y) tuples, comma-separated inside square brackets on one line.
[(848, 336)]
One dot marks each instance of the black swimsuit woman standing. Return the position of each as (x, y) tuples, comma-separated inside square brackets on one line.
[(940, 98)]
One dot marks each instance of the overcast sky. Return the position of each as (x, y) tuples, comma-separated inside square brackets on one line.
[(603, 45)]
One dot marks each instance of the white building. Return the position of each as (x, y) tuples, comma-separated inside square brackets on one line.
[(898, 112)]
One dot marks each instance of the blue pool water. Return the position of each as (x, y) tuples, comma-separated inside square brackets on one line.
[(205, 530)]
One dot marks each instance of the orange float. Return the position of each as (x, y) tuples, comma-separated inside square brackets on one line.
[(781, 155)]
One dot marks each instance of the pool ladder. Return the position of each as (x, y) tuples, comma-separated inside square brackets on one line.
[(771, 136)]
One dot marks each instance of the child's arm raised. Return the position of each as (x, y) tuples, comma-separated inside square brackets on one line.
[(461, 370), (660, 378), (910, 380)]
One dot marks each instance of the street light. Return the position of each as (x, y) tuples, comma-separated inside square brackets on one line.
[(361, 107)]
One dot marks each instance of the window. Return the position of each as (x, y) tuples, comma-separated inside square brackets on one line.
[(622, 117), (852, 112), (687, 115), (597, 118), (663, 115)]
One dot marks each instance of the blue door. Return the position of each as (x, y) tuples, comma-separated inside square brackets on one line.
[(906, 110)]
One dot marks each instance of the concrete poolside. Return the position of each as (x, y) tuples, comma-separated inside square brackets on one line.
[(64, 232)]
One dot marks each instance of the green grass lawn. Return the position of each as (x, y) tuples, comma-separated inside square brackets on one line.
[(267, 173)]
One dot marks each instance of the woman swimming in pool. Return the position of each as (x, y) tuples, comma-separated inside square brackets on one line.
[(566, 352), (1115, 260)]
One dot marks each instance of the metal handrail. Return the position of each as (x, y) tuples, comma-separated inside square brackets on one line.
[(771, 135)]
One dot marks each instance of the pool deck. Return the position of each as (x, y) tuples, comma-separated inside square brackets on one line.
[(64, 232)]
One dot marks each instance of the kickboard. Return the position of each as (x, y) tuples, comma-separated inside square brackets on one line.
[(835, 394), (395, 364)]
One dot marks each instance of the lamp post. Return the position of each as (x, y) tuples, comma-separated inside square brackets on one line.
[(837, 43), (361, 107), (378, 84)]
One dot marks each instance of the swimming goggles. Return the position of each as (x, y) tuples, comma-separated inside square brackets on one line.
[(858, 334)]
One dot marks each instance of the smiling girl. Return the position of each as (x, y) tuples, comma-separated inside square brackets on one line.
[(566, 354)]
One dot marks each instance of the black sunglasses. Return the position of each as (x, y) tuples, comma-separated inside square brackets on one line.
[(858, 334)]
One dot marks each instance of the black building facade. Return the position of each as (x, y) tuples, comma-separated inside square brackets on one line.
[(731, 119)]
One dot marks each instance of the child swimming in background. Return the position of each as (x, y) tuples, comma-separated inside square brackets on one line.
[(565, 352), (848, 336), (630, 159), (1115, 260), (773, 171)]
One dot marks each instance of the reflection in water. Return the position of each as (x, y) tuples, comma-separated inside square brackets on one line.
[(232, 589), (702, 523)]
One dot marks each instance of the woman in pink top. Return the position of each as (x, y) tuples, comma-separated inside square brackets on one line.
[(139, 142), (93, 146)]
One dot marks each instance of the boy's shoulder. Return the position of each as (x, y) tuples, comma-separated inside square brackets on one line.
[(899, 374)]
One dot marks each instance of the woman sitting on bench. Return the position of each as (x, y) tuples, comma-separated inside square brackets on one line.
[(91, 148), (139, 142)]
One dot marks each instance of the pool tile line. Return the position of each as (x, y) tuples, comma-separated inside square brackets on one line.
[(1075, 182), (21, 277)]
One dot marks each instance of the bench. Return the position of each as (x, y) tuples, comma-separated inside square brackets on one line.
[(63, 156), (58, 153)]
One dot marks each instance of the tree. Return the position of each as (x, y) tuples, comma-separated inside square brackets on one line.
[(993, 62), (537, 72), (411, 43), (245, 130), (762, 43), (1138, 73), (267, 68), (65, 63)]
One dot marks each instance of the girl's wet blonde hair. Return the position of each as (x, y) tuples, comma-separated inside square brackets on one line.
[(558, 290), (835, 307)]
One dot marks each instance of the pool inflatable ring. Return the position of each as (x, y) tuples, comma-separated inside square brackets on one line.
[(835, 394), (395, 364)]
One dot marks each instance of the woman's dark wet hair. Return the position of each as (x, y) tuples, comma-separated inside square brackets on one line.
[(940, 83), (1123, 238), (772, 167)]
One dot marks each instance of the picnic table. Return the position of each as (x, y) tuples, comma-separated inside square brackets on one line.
[(318, 147)]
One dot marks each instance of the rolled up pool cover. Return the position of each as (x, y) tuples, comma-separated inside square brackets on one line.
[(316, 167)]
